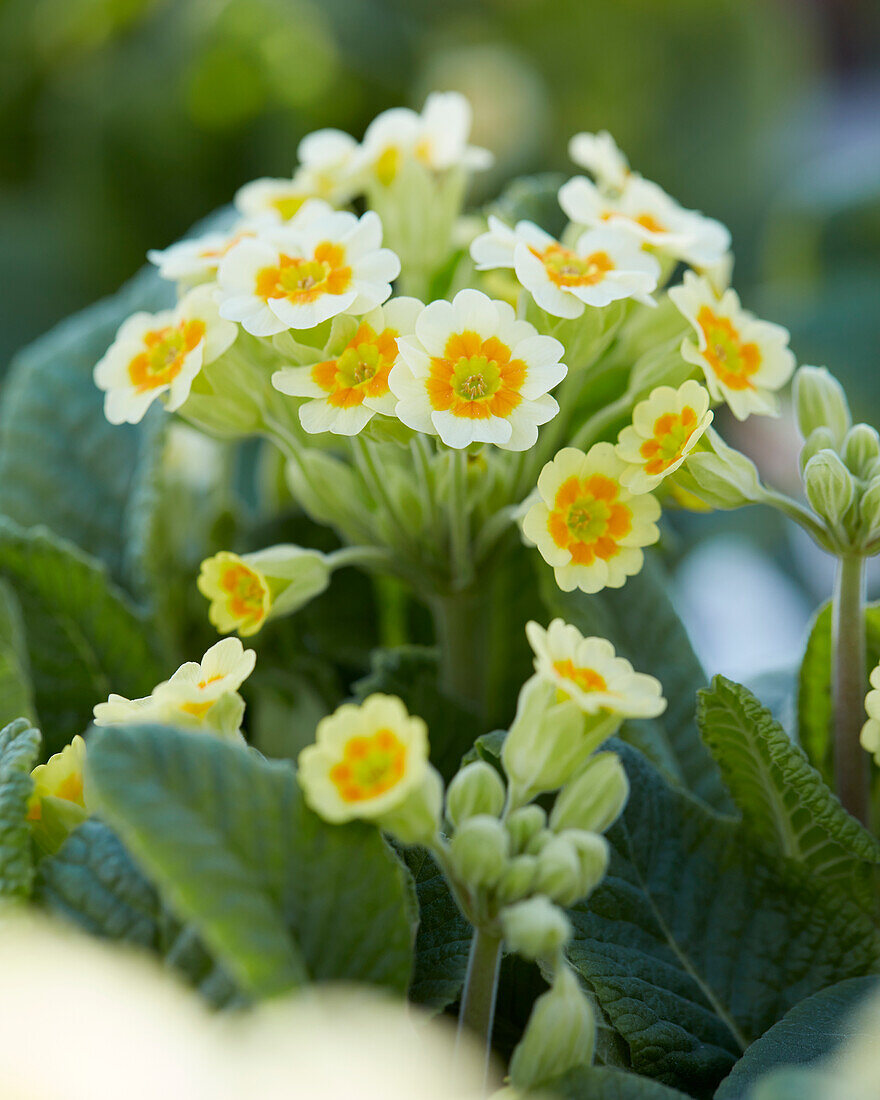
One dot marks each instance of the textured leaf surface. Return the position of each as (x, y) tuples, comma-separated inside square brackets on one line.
[(642, 624), (782, 797), (277, 895), (812, 1030), (444, 936), (601, 1083), (19, 748), (695, 946), (84, 638), (16, 696)]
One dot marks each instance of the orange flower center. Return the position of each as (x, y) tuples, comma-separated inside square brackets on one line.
[(476, 378), (588, 520), (370, 766), (672, 433), (566, 268), (165, 350), (361, 370), (300, 280), (733, 360), (247, 596), (70, 789), (587, 679)]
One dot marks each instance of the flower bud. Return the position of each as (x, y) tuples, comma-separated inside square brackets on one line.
[(829, 486), (476, 789), (539, 842), (523, 824), (416, 820), (869, 507), (518, 879), (593, 854), (560, 1034), (861, 447), (479, 851), (330, 493), (820, 402), (535, 928), (722, 476), (594, 798), (559, 872), (819, 439)]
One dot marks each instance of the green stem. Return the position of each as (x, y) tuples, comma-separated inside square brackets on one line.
[(598, 422), (358, 555), (459, 521), (477, 1012), (461, 625), (365, 459), (852, 774)]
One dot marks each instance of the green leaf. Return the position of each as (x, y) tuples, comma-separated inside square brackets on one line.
[(782, 798), (444, 936), (695, 943), (640, 621), (84, 638), (814, 687), (601, 1083), (19, 748), (61, 463), (16, 695), (277, 895), (812, 1030)]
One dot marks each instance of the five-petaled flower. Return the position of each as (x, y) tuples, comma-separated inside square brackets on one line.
[(296, 276), (366, 760), (599, 154), (349, 384), (159, 355), (648, 212), (473, 373), (744, 360), (587, 671), (586, 524), (60, 777), (665, 429)]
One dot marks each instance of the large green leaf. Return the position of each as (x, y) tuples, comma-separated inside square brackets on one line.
[(84, 638), (61, 463), (277, 895), (695, 944), (642, 624), (444, 936), (601, 1083), (16, 694), (812, 1030), (781, 796), (19, 748)]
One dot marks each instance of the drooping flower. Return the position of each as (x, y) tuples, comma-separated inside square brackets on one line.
[(349, 384), (588, 671), (437, 139), (605, 265), (370, 762), (473, 373), (665, 429), (159, 354), (652, 215), (870, 736), (197, 259), (586, 524), (744, 360), (245, 591), (61, 777), (599, 154), (197, 685), (298, 276)]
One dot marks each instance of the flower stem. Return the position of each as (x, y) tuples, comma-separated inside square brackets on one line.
[(852, 774), (600, 421), (461, 625), (477, 1012), (459, 521)]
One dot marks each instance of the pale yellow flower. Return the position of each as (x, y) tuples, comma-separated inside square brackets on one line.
[(60, 777), (665, 429)]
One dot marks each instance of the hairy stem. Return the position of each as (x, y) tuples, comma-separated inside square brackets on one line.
[(459, 521), (852, 774), (477, 1012), (461, 626)]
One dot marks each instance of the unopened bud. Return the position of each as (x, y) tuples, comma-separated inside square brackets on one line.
[(535, 928), (539, 842), (594, 798), (820, 402), (722, 476), (869, 508), (476, 789), (416, 820), (518, 879), (560, 1034), (523, 824), (593, 854), (861, 448), (829, 486), (819, 439), (479, 851), (559, 872)]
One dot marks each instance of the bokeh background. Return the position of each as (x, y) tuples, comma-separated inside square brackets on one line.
[(122, 122)]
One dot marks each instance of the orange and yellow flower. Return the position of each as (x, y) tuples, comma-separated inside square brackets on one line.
[(60, 777), (665, 429)]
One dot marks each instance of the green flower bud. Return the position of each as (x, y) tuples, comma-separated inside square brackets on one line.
[(416, 820), (594, 798), (560, 1035), (479, 851), (869, 508), (861, 448), (559, 872), (330, 493), (819, 439), (829, 486), (593, 854), (820, 402), (535, 928), (539, 842), (722, 476), (476, 789), (518, 879), (523, 824)]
